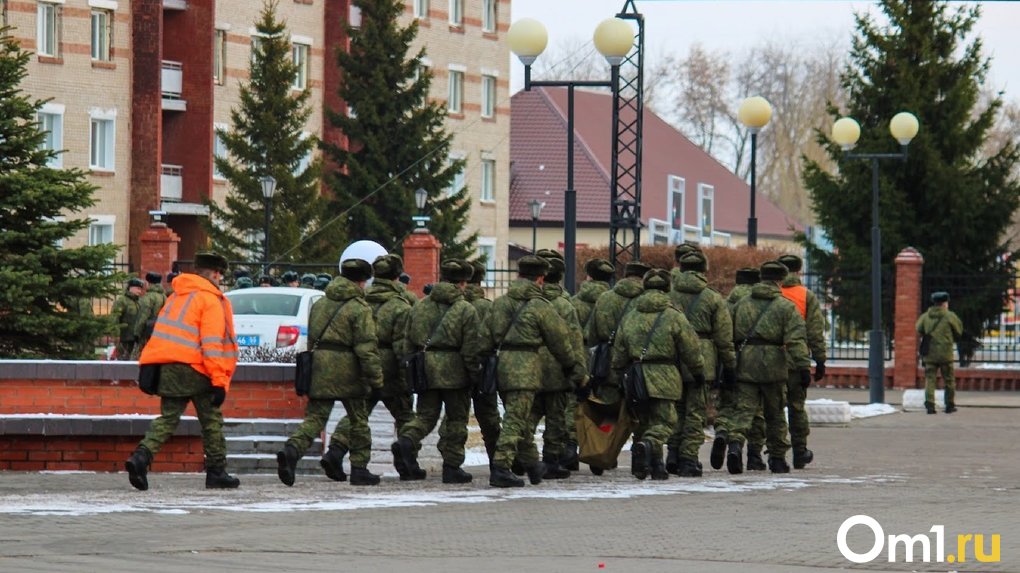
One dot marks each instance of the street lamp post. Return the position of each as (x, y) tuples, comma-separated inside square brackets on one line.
[(268, 183), (613, 38), (420, 198), (536, 211), (845, 132), (755, 113)]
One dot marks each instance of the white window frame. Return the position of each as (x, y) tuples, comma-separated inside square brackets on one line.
[(101, 34), (55, 139), (460, 179), (305, 161), (455, 89), (488, 245), (109, 144), (254, 46), (456, 12), (421, 9), (47, 31), (220, 56), (490, 15), (299, 53), (218, 149), (489, 89), (706, 191), (676, 184), (104, 224), (488, 191)]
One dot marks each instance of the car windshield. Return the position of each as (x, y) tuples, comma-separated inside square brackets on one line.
[(265, 303)]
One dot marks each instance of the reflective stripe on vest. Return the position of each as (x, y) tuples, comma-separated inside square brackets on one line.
[(797, 295)]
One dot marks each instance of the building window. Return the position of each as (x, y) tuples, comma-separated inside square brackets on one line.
[(100, 232), (306, 160), (51, 123), (421, 8), (706, 210), (487, 249), (102, 31), (219, 148), (299, 54), (458, 179), (488, 96), (489, 8), (254, 47), (455, 100), (101, 143), (488, 180), (456, 12), (220, 57), (48, 29), (676, 202)]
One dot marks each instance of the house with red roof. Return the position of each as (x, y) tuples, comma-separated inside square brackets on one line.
[(685, 193)]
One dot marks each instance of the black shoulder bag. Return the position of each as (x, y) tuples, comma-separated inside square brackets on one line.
[(490, 364), (599, 367), (925, 346), (414, 363), (303, 360), (750, 333), (634, 387)]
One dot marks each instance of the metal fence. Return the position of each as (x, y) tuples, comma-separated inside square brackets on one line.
[(846, 303), (989, 307)]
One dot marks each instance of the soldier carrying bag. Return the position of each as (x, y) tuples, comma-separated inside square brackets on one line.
[(634, 387), (925, 346), (490, 364), (750, 333), (601, 354), (414, 363), (303, 360)]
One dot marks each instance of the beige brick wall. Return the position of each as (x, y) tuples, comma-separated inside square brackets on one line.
[(82, 86)]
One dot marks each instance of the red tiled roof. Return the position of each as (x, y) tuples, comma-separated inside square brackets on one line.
[(539, 168)]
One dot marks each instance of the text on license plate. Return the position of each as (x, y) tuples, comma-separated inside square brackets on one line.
[(247, 340)]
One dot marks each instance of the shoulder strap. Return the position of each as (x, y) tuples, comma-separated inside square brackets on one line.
[(937, 323), (612, 335), (325, 328), (689, 311), (754, 326), (428, 340), (648, 339), (513, 321)]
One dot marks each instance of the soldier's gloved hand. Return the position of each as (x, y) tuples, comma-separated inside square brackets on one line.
[(219, 394), (805, 378), (729, 378), (819, 371)]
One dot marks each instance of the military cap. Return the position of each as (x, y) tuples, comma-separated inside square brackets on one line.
[(356, 270), (939, 297), (456, 270), (170, 276), (599, 269), (793, 263), (388, 267), (694, 261), (153, 278), (290, 277), (308, 279), (685, 248), (265, 280), (238, 273), (748, 276), (324, 276), (479, 272), (135, 282), (211, 261), (549, 254), (243, 282), (773, 271), (636, 269), (404, 278), (556, 270), (427, 289), (532, 267), (656, 279), (321, 283)]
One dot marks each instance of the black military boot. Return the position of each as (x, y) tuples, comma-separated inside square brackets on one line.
[(361, 476), (595, 470), (403, 449), (535, 472), (802, 457), (569, 458), (517, 467), (930, 406), (502, 477), (950, 408), (754, 461), (735, 458), (286, 464), (554, 469), (672, 460), (332, 463), (779, 465), (640, 458), (218, 478), (688, 468), (137, 467), (657, 469), (455, 475), (718, 451)]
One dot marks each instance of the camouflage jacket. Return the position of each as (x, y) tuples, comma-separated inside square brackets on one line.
[(943, 336), (584, 303), (452, 360), (763, 359), (609, 310), (710, 318), (148, 308), (538, 324), (476, 296), (738, 292), (672, 344), (125, 314), (346, 361), (553, 377), (390, 310), (814, 320), (404, 293)]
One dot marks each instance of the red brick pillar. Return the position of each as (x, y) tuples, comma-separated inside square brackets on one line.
[(909, 264), (159, 249), (421, 260)]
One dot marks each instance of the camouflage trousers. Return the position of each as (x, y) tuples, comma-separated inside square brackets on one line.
[(931, 372), (691, 410), (399, 406), (725, 404), (516, 427), (656, 422), (359, 436), (452, 432), (487, 414), (770, 397), (568, 414), (209, 417), (798, 422), (552, 407)]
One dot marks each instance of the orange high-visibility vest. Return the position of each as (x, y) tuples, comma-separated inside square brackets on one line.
[(195, 327), (797, 295)]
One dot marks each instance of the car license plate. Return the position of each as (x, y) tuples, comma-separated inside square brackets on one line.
[(247, 340)]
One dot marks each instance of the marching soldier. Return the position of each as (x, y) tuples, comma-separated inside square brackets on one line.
[(746, 278), (679, 252), (609, 312), (148, 310), (726, 402), (944, 328), (486, 405), (125, 314)]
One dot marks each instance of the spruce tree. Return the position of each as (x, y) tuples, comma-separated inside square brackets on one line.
[(395, 139), (948, 200), (265, 138), (46, 291)]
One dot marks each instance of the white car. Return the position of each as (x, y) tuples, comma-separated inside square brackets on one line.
[(272, 317)]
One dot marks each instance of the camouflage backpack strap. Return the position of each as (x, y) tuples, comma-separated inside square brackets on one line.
[(329, 322), (689, 311), (439, 323), (612, 335), (754, 327), (648, 338), (513, 321)]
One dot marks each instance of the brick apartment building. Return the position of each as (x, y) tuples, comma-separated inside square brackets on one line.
[(137, 88)]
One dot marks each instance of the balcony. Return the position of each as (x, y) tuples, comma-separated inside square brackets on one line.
[(171, 186), (175, 4), (172, 86)]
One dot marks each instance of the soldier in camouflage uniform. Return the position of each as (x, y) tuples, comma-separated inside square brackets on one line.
[(945, 329), (726, 398), (679, 252), (148, 310), (125, 314), (709, 314), (519, 323), (609, 312), (486, 405), (746, 278), (346, 368), (390, 310), (660, 338), (768, 331), (447, 327), (307, 280)]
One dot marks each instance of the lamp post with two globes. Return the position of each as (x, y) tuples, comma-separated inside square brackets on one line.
[(755, 113)]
